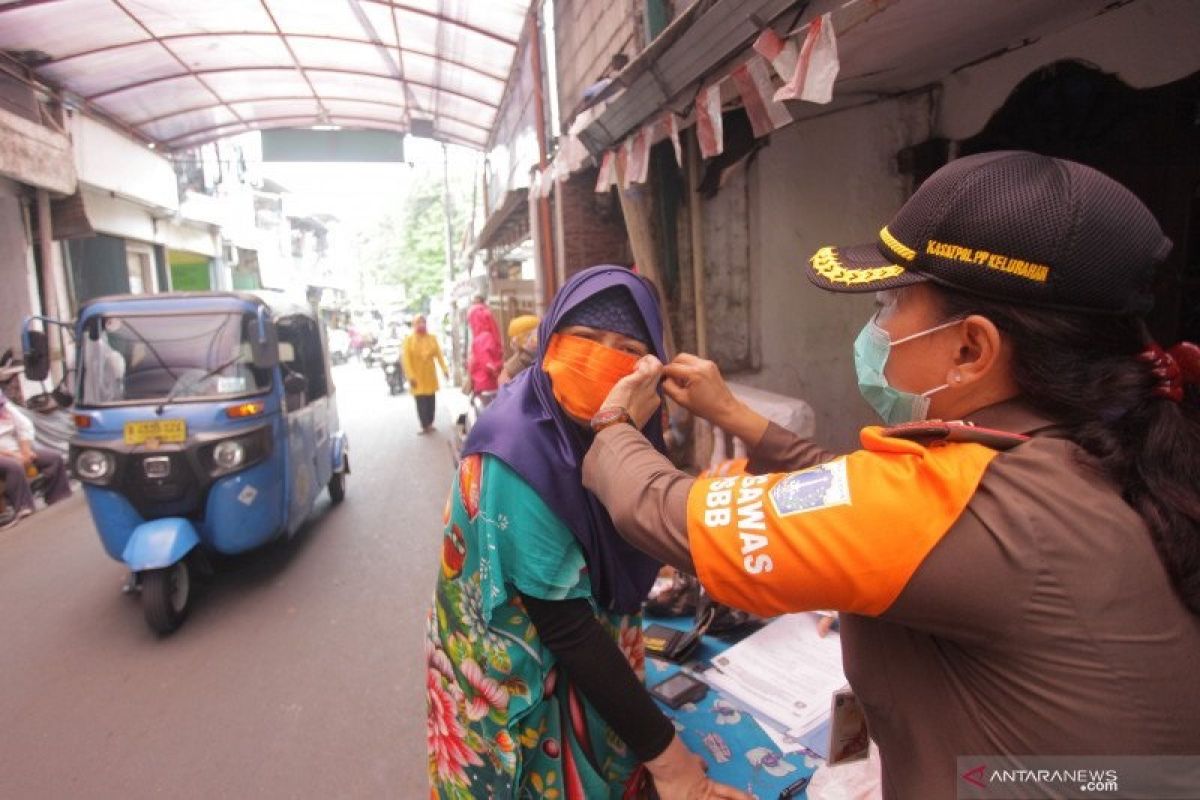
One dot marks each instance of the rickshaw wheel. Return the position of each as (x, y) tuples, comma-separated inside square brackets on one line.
[(337, 487), (165, 595)]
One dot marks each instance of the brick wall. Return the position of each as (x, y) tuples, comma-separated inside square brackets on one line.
[(592, 230)]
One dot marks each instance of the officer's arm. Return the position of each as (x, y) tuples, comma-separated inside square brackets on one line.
[(645, 495), (846, 535), (780, 450)]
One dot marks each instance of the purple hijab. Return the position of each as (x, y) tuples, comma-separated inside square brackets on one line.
[(526, 429)]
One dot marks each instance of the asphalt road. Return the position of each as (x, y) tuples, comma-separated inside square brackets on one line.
[(299, 672)]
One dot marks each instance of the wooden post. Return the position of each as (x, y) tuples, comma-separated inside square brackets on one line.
[(546, 243), (696, 226), (703, 435), (637, 206), (49, 280)]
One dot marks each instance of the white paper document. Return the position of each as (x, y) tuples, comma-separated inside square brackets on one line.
[(785, 672)]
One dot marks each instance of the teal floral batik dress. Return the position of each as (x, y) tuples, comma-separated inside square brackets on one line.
[(503, 721)]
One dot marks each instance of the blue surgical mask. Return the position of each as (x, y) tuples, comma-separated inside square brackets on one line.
[(871, 351)]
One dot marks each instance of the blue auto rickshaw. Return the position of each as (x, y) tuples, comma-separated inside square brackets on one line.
[(205, 422)]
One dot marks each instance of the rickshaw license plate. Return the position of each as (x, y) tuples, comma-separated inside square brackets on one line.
[(162, 430)]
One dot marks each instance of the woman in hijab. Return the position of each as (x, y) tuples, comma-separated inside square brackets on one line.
[(487, 353), (534, 649)]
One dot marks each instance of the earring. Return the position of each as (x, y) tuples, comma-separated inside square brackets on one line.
[(956, 377)]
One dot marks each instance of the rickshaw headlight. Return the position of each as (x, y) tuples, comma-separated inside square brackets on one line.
[(229, 455), (94, 465)]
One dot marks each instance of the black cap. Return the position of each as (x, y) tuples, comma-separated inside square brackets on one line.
[(1016, 226)]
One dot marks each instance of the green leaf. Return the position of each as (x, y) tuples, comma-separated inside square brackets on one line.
[(529, 738), (500, 660)]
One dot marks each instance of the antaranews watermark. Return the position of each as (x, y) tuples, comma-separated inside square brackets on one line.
[(1078, 777)]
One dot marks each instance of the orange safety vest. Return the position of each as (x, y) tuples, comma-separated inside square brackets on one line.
[(846, 535)]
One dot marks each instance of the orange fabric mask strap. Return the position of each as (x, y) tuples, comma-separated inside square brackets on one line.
[(583, 372)]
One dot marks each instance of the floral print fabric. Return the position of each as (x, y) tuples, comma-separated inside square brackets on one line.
[(503, 721)]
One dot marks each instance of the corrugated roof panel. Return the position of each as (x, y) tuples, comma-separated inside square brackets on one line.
[(217, 52), (462, 130), (93, 24), (420, 68), (91, 74), (269, 109), (463, 107), (380, 17), (319, 17), (360, 108), (172, 18), (155, 99), (180, 124), (335, 54), (340, 84), (238, 85), (166, 64)]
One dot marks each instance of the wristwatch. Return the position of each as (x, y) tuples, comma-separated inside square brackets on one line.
[(607, 417)]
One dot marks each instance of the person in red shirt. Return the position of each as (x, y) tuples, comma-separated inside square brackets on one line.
[(487, 353)]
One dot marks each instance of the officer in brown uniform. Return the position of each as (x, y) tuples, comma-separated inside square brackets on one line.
[(1025, 582)]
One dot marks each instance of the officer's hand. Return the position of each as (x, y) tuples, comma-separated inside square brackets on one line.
[(697, 385), (679, 774), (637, 392)]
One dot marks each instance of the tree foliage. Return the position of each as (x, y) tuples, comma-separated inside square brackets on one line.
[(406, 247)]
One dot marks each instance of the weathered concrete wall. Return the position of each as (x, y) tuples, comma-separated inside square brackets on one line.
[(34, 154), (588, 35), (109, 161), (830, 180), (16, 299), (729, 279), (833, 180), (1147, 43)]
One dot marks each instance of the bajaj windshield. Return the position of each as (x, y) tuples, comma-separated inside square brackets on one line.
[(175, 357)]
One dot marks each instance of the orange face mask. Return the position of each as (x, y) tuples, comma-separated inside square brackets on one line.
[(583, 372)]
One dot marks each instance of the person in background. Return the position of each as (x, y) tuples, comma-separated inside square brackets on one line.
[(487, 354), (18, 453), (534, 648), (522, 335), (420, 356)]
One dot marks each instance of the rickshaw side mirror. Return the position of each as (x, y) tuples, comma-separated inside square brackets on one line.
[(295, 383), (37, 354), (295, 387), (264, 342)]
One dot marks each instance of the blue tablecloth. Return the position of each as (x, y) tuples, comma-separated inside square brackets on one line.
[(738, 751)]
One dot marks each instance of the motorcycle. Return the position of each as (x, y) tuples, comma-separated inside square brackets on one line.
[(393, 371)]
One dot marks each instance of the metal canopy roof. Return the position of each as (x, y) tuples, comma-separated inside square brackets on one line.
[(182, 73)]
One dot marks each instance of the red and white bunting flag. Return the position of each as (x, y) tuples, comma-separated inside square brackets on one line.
[(754, 85), (608, 172), (817, 67), (710, 129), (671, 122), (637, 161), (782, 53), (545, 181)]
